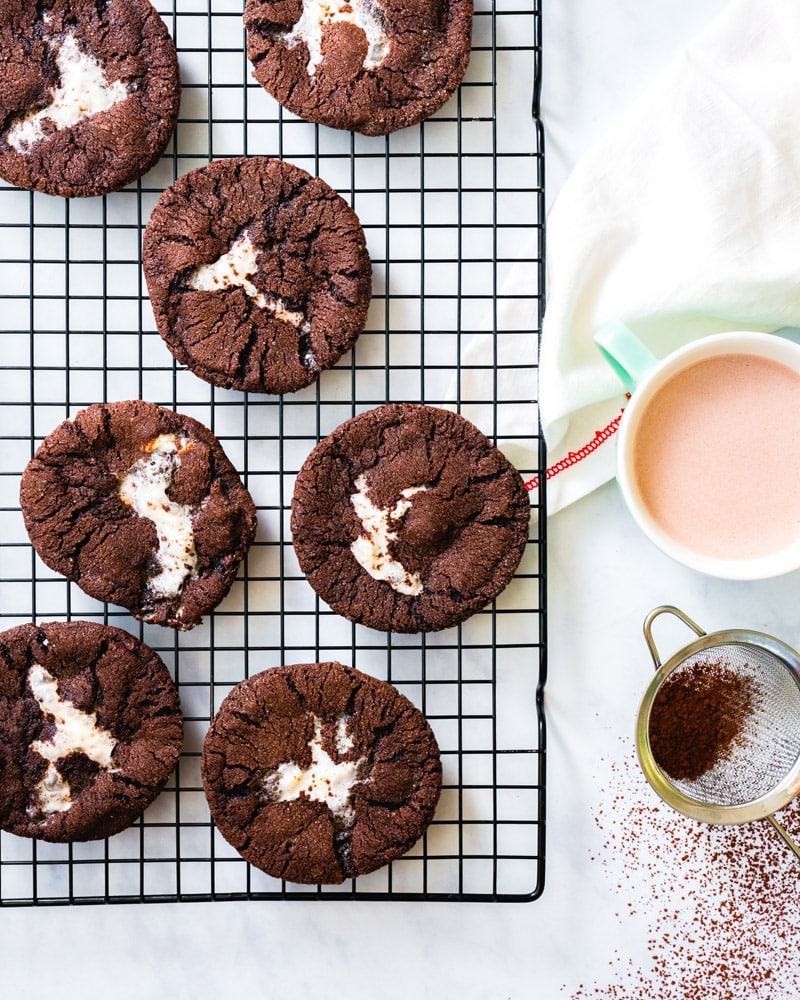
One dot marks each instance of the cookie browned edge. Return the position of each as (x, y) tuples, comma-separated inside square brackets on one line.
[(422, 71), (318, 269), (126, 684), (301, 841), (110, 158), (70, 497), (324, 525)]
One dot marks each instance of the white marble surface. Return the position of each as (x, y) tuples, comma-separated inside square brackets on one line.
[(604, 576)]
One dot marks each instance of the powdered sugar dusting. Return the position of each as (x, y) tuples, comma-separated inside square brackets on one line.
[(721, 903)]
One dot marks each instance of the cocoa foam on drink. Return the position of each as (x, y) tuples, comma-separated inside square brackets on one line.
[(717, 456)]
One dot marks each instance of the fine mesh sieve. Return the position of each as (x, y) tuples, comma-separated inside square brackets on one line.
[(755, 770)]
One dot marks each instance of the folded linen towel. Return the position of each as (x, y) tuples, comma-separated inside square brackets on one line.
[(682, 221)]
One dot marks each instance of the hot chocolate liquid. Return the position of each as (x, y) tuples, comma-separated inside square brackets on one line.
[(717, 457)]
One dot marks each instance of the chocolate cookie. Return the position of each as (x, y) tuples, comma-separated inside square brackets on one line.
[(140, 507), (407, 519), (90, 730), (373, 66), (89, 93), (318, 773), (258, 274)]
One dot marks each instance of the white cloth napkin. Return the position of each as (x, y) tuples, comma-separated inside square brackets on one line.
[(683, 220)]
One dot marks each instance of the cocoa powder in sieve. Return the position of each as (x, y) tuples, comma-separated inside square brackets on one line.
[(696, 716)]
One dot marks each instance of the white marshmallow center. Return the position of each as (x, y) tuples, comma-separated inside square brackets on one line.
[(319, 14), (325, 780), (145, 488), (234, 269), (84, 91), (76, 731), (372, 550)]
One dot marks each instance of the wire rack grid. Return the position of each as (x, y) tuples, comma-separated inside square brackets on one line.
[(448, 207)]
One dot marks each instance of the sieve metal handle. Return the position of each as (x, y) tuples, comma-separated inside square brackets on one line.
[(648, 628), (786, 836)]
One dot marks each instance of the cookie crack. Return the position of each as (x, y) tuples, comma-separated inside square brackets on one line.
[(305, 350), (101, 6), (286, 203), (128, 781), (75, 546), (245, 355), (264, 26), (498, 521), (342, 845)]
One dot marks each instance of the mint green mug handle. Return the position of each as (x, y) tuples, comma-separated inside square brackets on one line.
[(626, 354)]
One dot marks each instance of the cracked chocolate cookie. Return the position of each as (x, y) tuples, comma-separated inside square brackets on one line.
[(407, 519), (140, 507), (316, 772), (258, 274), (89, 93), (373, 66), (90, 730)]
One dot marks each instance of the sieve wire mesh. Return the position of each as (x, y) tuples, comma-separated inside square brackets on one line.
[(767, 745), (449, 207)]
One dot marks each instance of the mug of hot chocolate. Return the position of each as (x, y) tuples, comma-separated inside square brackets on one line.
[(708, 455)]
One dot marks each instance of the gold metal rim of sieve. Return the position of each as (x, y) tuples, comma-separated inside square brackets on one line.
[(763, 806)]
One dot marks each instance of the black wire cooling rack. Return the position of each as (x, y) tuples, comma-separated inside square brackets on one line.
[(449, 208)]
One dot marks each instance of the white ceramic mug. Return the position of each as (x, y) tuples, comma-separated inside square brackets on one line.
[(644, 375)]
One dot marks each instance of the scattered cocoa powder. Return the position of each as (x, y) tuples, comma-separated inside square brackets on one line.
[(720, 905), (696, 716)]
